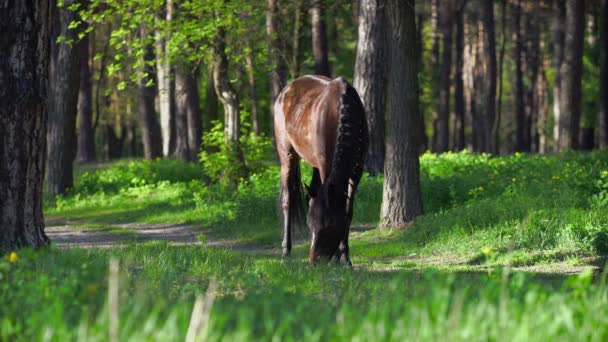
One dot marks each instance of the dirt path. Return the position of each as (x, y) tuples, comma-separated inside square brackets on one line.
[(79, 234)]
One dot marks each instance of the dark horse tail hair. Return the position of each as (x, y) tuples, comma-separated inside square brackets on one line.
[(351, 141), (297, 210)]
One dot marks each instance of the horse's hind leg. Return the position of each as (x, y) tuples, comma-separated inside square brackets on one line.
[(289, 183), (350, 200)]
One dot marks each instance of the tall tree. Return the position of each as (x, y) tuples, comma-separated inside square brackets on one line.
[(64, 80), (297, 28), (86, 134), (166, 90), (489, 56), (559, 21), (441, 126), (230, 101), (252, 89), (319, 38), (603, 136), (401, 199), (371, 78), (193, 108), (278, 66), (459, 122), (24, 58), (210, 101), (570, 73), (518, 56), (501, 63), (150, 129), (188, 117), (182, 148)]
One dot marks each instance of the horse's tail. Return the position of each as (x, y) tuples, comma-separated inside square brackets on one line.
[(351, 141), (297, 211)]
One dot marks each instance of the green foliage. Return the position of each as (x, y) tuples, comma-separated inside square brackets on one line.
[(62, 295), (222, 163)]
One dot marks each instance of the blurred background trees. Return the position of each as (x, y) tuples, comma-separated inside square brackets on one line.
[(153, 76)]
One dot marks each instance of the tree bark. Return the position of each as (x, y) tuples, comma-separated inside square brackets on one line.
[(295, 52), (459, 121), (501, 60), (182, 148), (401, 199), (371, 78), (24, 59), (543, 108), (278, 67), (520, 110), (441, 126), (570, 72), (195, 117), (319, 38), (603, 134), (210, 101), (166, 90), (64, 82), (252, 88), (150, 128), (489, 55), (230, 101), (86, 136), (559, 22)]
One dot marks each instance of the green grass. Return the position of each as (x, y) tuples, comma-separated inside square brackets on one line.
[(453, 275), (61, 295)]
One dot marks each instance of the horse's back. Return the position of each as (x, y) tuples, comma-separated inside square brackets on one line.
[(306, 117)]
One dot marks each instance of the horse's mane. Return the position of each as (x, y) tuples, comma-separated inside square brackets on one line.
[(351, 142)]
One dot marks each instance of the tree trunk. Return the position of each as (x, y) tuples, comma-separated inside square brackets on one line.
[(195, 125), (371, 78), (230, 101), (489, 55), (295, 52), (64, 82), (319, 38), (166, 92), (441, 126), (182, 148), (501, 60), (24, 59), (570, 72), (401, 199), (210, 101), (278, 67), (252, 88), (150, 129), (86, 137), (603, 136), (520, 111), (459, 122), (113, 143), (532, 66), (558, 47), (543, 109)]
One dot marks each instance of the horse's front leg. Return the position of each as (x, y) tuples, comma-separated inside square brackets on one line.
[(343, 250)]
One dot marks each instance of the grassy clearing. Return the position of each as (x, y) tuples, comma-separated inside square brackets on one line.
[(449, 276), (505, 208)]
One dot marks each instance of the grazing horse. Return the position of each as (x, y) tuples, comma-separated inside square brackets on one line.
[(323, 122)]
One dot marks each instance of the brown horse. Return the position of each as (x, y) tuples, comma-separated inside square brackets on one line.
[(323, 122)]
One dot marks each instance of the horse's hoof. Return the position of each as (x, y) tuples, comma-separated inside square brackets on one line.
[(345, 261)]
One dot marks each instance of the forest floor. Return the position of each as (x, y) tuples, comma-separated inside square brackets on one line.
[(509, 248), (70, 233)]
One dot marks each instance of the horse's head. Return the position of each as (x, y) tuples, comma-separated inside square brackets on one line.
[(327, 223)]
